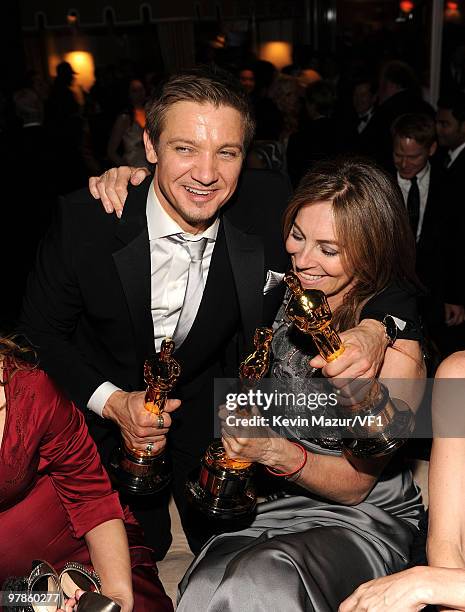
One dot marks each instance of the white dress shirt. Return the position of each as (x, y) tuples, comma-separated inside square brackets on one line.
[(454, 154), (364, 119), (169, 267), (423, 178)]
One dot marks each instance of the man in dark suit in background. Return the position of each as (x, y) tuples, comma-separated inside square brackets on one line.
[(320, 135), (398, 93), (107, 289), (450, 128), (364, 103), (423, 187)]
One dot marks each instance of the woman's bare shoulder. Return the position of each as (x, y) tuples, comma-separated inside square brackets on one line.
[(453, 366)]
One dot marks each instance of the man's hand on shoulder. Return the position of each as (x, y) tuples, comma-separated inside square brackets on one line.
[(365, 346), (112, 186), (138, 426)]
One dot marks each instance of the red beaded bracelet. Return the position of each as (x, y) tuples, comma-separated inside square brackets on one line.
[(299, 469)]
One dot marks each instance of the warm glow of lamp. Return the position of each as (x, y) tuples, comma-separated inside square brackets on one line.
[(277, 52), (53, 60), (452, 12), (82, 63), (406, 6)]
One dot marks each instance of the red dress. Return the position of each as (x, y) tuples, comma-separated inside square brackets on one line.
[(53, 489)]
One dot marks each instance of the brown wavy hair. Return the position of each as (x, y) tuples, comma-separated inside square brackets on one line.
[(19, 357), (371, 222), (203, 85)]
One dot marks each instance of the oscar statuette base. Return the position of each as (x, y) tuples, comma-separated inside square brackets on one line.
[(222, 493), (396, 432), (139, 475)]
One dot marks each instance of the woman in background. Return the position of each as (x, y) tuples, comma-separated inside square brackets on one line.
[(126, 144)]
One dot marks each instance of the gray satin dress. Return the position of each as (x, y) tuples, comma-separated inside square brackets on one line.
[(304, 553)]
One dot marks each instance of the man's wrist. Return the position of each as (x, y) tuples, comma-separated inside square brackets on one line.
[(387, 327), (376, 326), (99, 397), (112, 405)]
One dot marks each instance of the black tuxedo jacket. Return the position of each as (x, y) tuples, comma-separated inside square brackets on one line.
[(386, 113), (454, 227), (456, 171), (87, 306), (435, 264), (439, 248), (429, 246)]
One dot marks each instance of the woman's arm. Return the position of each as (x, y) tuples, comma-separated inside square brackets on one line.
[(409, 591), (109, 553), (70, 458), (442, 584), (339, 479), (446, 535), (342, 479), (120, 126)]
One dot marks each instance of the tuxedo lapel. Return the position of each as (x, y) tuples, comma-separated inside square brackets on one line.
[(247, 257), (429, 218), (132, 260), (458, 165)]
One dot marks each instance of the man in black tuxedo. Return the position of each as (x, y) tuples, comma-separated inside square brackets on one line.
[(364, 108), (398, 93), (107, 289), (450, 127), (423, 187)]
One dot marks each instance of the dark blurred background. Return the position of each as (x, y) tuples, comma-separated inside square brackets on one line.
[(75, 77)]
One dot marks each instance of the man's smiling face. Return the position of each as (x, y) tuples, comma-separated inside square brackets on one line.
[(199, 157)]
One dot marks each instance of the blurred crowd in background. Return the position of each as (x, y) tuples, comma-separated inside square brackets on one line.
[(53, 140)]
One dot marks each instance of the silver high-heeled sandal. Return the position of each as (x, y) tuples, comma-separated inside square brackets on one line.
[(44, 592), (77, 576)]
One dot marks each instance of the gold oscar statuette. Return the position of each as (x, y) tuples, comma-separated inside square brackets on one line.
[(139, 472), (384, 425), (224, 486)]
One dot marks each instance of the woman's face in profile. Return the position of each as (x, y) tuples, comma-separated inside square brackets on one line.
[(316, 253)]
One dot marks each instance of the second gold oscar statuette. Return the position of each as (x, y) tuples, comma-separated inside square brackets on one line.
[(224, 487), (388, 424)]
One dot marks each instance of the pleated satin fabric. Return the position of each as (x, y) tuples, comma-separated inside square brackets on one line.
[(303, 553)]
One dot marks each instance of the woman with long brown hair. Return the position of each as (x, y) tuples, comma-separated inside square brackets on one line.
[(56, 501), (342, 518)]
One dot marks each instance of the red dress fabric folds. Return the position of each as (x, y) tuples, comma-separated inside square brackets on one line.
[(53, 489)]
